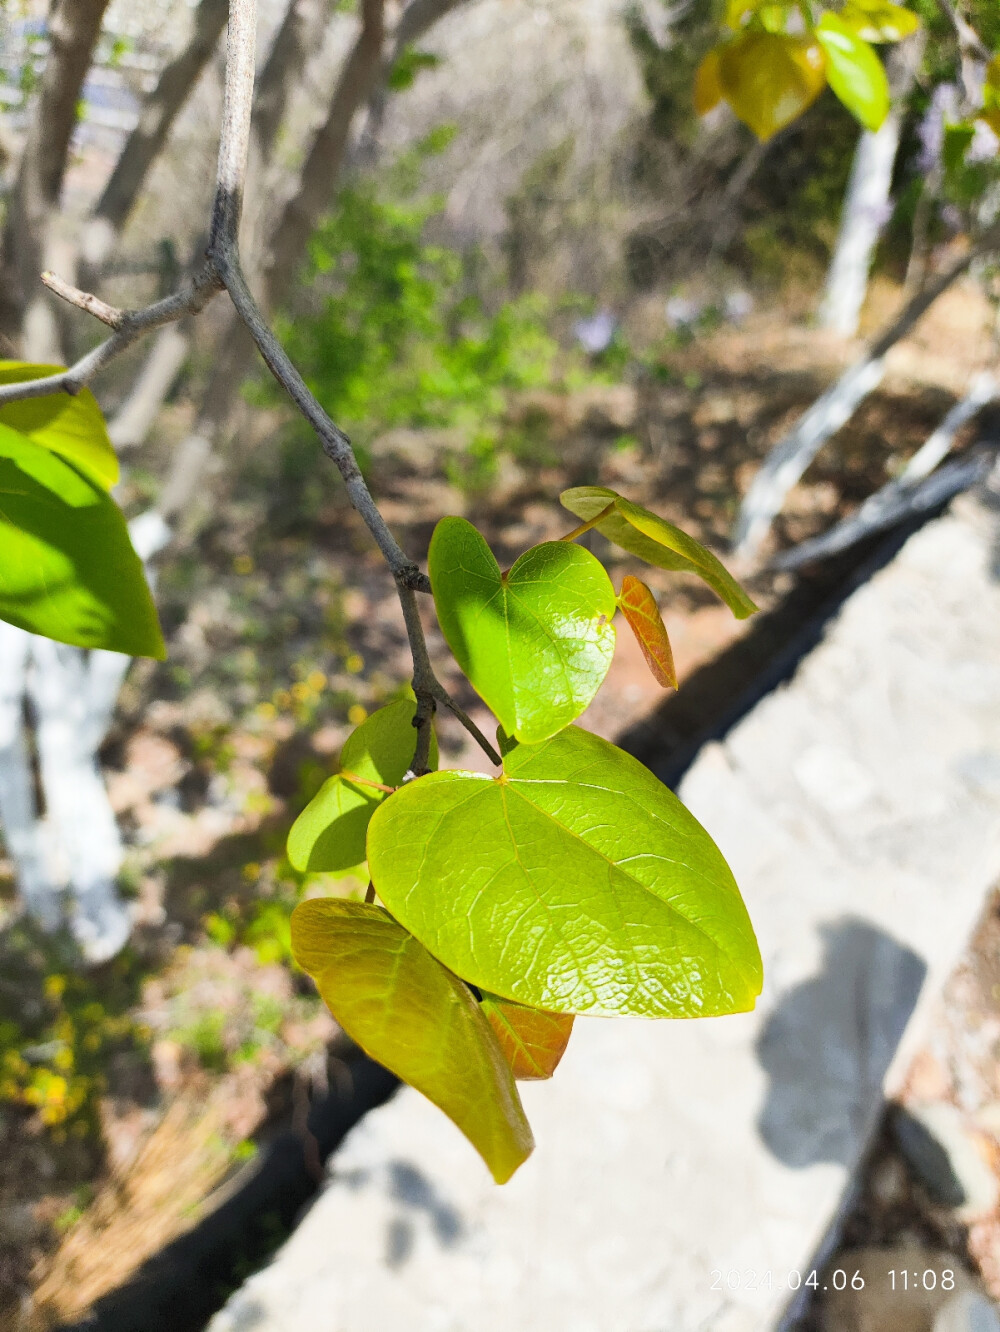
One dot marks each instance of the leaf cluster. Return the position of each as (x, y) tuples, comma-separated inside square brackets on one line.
[(782, 56), (572, 882)]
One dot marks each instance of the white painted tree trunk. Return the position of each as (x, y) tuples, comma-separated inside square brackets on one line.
[(866, 211), (67, 855)]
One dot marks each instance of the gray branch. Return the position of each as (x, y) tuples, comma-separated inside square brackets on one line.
[(222, 269)]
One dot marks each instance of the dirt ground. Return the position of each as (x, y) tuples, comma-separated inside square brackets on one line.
[(283, 633)]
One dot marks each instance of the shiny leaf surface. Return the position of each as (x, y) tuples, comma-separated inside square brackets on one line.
[(67, 567), (73, 427), (328, 837), (854, 71), (532, 1041), (639, 607), (656, 541), (879, 20), (412, 1015), (536, 642), (575, 882)]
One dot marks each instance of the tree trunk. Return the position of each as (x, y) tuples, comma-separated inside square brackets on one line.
[(787, 461), (147, 140), (867, 207), (26, 316)]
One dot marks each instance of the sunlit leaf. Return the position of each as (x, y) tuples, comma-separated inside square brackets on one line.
[(854, 71), (67, 567), (71, 426), (707, 89), (411, 1014), (328, 837), (879, 20), (535, 642), (532, 1041), (655, 541), (639, 607), (575, 882), (770, 78), (991, 96)]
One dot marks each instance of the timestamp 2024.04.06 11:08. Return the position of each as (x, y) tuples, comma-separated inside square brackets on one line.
[(839, 1279)]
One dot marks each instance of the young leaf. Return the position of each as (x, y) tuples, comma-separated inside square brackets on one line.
[(536, 642), (770, 78), (575, 882), (67, 567), (879, 20), (412, 1015), (655, 541), (328, 837), (854, 71), (639, 607), (532, 1041), (70, 426)]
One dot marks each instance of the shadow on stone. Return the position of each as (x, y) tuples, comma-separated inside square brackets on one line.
[(828, 1044), (410, 1187)]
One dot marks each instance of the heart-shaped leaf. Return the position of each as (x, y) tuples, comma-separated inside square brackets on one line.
[(575, 882), (854, 71), (411, 1014), (536, 642), (879, 20), (655, 541), (67, 567), (770, 78), (639, 607), (328, 837), (532, 1041), (72, 426)]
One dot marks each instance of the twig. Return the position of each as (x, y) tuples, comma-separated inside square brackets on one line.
[(223, 269)]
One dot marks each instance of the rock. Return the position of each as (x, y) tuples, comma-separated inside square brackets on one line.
[(945, 1157), (674, 1159), (968, 1312)]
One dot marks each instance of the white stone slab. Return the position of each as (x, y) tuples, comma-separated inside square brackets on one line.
[(860, 809)]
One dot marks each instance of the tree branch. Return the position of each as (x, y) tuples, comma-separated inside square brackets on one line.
[(223, 269)]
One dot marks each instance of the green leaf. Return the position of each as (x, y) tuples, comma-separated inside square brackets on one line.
[(532, 1041), (67, 567), (73, 427), (328, 837), (770, 78), (411, 1014), (854, 71), (655, 541), (575, 882), (879, 20), (536, 642)]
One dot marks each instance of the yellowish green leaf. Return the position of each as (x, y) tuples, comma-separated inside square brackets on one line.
[(707, 88), (879, 20), (72, 426), (770, 78), (854, 71), (415, 1017), (655, 541), (328, 837)]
